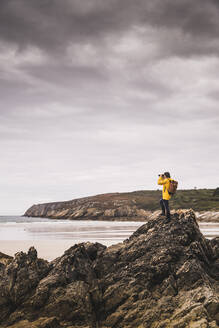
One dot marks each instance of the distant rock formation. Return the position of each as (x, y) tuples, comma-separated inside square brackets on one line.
[(100, 207), (208, 216), (165, 275), (133, 206)]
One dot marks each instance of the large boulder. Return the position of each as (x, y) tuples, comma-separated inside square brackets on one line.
[(166, 274)]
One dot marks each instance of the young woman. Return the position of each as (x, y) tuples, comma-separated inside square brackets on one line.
[(164, 180)]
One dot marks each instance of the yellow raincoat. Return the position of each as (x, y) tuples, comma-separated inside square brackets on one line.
[(165, 183)]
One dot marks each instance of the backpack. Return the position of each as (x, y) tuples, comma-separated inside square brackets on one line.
[(172, 187)]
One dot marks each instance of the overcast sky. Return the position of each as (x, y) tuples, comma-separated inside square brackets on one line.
[(100, 96)]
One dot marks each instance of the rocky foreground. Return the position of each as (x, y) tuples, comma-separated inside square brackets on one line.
[(133, 206), (163, 275)]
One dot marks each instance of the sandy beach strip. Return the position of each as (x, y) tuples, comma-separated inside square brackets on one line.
[(46, 249)]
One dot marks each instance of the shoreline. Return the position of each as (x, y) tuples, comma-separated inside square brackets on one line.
[(201, 216)]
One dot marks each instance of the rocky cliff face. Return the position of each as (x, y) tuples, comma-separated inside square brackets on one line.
[(165, 275), (100, 207), (133, 206), (208, 216)]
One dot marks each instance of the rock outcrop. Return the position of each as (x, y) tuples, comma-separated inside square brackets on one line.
[(5, 259), (165, 275), (100, 207)]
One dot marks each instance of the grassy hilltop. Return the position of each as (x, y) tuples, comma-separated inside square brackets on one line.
[(198, 199)]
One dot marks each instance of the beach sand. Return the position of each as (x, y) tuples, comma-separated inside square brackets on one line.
[(52, 238), (47, 250)]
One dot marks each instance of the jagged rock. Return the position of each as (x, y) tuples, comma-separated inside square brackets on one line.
[(40, 323), (18, 279), (78, 213), (5, 259), (93, 212), (109, 213), (165, 275)]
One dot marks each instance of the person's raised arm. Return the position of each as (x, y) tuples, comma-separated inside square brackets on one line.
[(161, 180)]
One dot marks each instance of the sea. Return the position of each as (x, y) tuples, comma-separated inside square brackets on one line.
[(52, 237)]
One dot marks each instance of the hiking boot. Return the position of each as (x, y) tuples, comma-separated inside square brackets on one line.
[(168, 219)]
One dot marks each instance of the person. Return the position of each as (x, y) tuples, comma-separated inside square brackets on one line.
[(164, 180)]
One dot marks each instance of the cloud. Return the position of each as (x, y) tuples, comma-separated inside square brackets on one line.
[(189, 27), (100, 96)]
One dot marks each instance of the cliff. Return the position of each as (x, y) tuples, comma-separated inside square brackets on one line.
[(137, 205), (165, 275), (114, 206)]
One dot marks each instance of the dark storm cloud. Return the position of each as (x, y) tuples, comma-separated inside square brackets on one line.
[(194, 17), (53, 24)]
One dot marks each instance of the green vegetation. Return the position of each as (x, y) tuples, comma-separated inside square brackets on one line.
[(197, 199)]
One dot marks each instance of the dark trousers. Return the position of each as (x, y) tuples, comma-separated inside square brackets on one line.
[(165, 207)]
